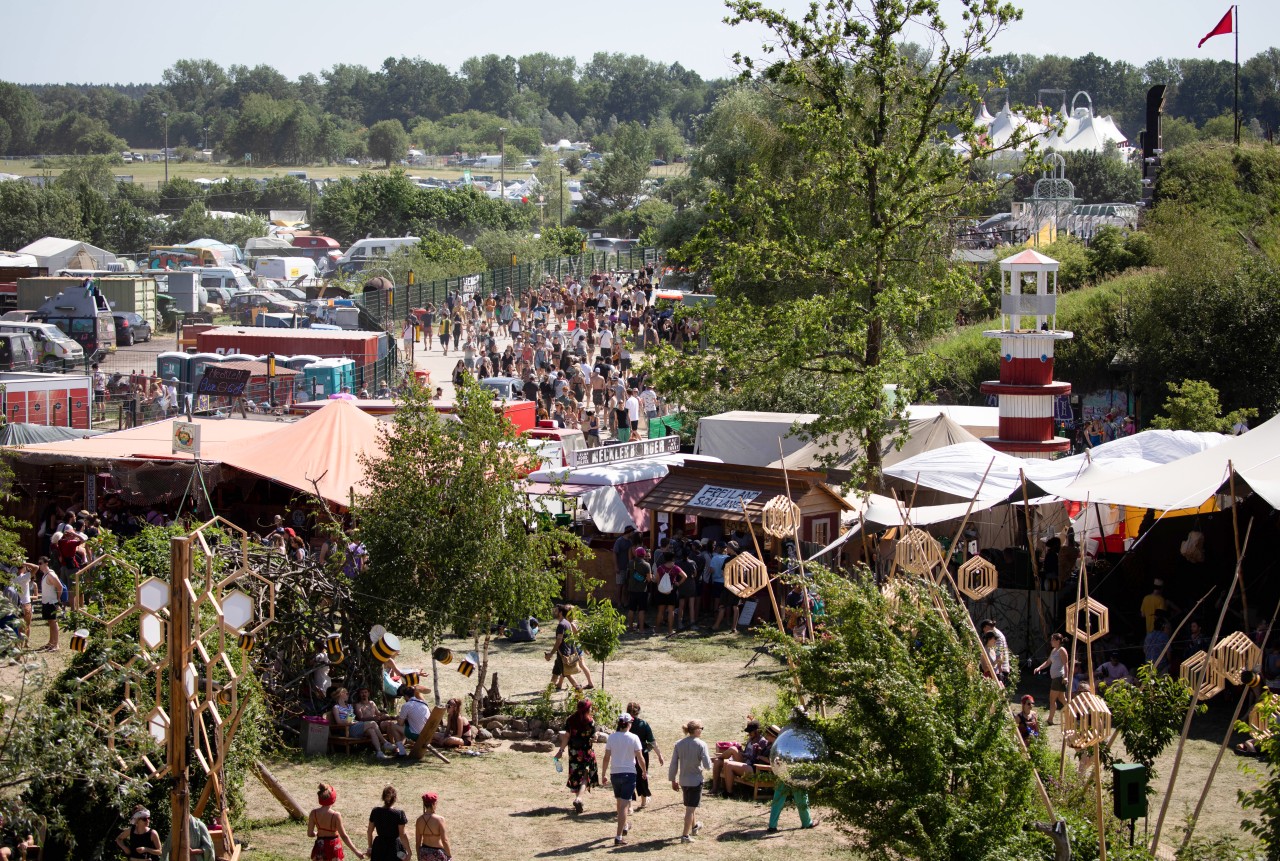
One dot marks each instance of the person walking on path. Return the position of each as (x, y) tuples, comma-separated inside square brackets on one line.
[(623, 766), (1057, 664), (429, 835), (641, 730), (386, 830), (782, 793), (325, 825), (579, 736), (689, 759), (409, 336)]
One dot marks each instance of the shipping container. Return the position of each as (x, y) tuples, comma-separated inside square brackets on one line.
[(131, 294), (61, 400)]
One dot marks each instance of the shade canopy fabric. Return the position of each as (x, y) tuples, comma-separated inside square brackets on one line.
[(878, 511), (323, 447), (24, 433), (958, 469), (924, 434), (607, 509), (749, 437), (1188, 482)]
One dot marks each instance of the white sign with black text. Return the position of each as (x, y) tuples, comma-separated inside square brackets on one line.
[(722, 498), (624, 451)]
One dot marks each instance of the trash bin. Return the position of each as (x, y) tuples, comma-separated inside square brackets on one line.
[(315, 736)]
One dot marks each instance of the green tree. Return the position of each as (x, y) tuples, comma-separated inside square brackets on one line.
[(600, 631), (19, 120), (1104, 177), (456, 543), (28, 213), (616, 185), (388, 141), (1113, 250), (1193, 405), (923, 760), (837, 268), (1149, 714)]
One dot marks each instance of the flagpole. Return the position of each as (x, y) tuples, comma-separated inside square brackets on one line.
[(1236, 101)]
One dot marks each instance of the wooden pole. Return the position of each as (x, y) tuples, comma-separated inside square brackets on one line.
[(972, 501), (1097, 752), (786, 481), (1071, 657), (1195, 699), (278, 791), (1235, 531), (1031, 549), (1226, 740), (179, 714)]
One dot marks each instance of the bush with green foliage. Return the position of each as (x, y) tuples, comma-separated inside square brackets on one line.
[(600, 631), (923, 761), (1193, 405), (1149, 714), (1264, 802)]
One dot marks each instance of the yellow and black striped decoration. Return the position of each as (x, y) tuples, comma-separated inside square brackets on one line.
[(79, 640), (224, 696), (468, 664), (1250, 678), (386, 648), (411, 678), (443, 655), (334, 647), (245, 641)]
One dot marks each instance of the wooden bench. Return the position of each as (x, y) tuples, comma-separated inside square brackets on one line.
[(340, 737), (761, 779), (423, 744)]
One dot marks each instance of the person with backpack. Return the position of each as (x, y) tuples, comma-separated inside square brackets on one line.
[(639, 576), (669, 578)]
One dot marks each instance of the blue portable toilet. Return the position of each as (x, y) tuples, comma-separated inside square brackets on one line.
[(197, 364), (327, 377), (174, 364)]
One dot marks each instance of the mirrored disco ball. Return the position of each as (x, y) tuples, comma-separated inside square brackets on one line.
[(797, 746)]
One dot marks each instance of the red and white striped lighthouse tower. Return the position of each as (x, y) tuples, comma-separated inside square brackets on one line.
[(1026, 388)]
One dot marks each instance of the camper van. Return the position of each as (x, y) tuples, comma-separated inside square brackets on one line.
[(366, 251), (226, 279), (53, 348), (285, 268), (85, 316)]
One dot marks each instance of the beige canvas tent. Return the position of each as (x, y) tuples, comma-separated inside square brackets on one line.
[(924, 435)]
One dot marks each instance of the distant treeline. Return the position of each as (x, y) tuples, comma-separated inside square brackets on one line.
[(538, 97)]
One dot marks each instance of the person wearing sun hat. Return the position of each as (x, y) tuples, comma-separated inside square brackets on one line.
[(743, 758)]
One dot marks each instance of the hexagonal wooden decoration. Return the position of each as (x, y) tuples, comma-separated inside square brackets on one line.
[(781, 517), (1234, 654), (977, 578), (898, 591), (1259, 727), (917, 553), (1088, 721), (1088, 620), (745, 575), (1203, 675)]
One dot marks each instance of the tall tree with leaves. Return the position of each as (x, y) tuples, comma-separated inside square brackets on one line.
[(838, 266), (454, 545)]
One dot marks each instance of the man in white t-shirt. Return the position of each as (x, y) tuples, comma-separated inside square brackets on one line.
[(649, 399), (606, 341), (415, 711), (22, 585), (623, 766), (633, 412)]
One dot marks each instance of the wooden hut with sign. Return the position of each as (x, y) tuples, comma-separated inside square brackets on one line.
[(707, 500)]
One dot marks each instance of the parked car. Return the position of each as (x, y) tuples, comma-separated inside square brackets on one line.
[(351, 162), (505, 388), (17, 352), (271, 301), (657, 162), (130, 328), (53, 348), (20, 316)]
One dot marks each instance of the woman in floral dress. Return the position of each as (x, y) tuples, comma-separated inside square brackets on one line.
[(580, 734)]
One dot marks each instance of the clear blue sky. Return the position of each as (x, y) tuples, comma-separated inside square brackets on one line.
[(99, 41)]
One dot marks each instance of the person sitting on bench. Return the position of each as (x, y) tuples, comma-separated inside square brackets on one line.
[(741, 759)]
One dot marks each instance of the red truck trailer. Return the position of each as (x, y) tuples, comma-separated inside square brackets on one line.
[(62, 400)]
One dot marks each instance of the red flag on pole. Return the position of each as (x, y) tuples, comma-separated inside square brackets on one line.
[(1225, 26)]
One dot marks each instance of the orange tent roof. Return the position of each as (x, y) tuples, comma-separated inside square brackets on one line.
[(323, 448)]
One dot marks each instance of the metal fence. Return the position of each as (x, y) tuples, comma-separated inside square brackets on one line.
[(388, 308)]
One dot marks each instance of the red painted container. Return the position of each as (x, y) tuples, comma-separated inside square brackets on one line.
[(61, 400), (361, 347)]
